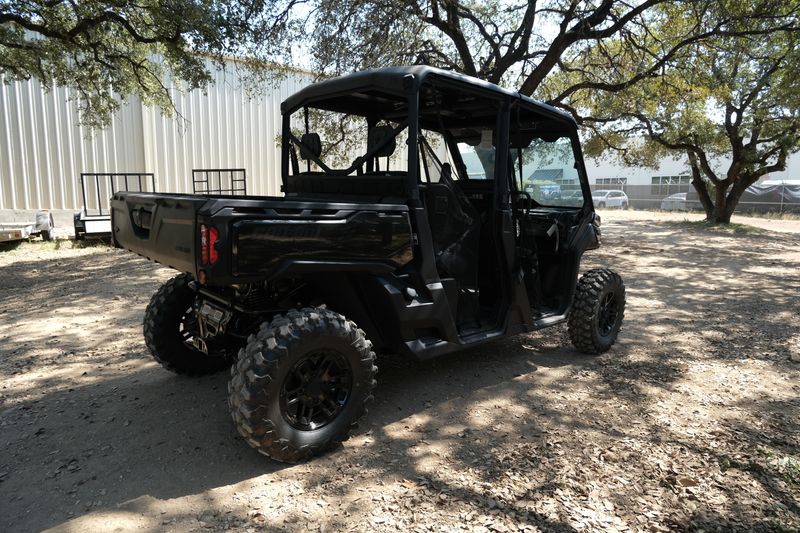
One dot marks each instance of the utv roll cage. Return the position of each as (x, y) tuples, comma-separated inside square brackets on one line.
[(415, 98)]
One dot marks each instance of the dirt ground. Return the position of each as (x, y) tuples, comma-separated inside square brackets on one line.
[(692, 422)]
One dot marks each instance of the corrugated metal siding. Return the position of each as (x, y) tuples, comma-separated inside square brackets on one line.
[(44, 149)]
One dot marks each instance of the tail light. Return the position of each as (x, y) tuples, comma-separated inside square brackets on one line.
[(203, 244), (213, 237), (208, 245)]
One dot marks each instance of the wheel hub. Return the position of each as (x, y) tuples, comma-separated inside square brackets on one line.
[(608, 314), (316, 390)]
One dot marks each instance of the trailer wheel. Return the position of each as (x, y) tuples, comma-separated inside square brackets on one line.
[(169, 326), (597, 311), (47, 234), (301, 384)]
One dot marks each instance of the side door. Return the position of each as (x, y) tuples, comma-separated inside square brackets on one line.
[(552, 228)]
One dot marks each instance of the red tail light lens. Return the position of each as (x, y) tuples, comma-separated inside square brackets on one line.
[(203, 244), (213, 237)]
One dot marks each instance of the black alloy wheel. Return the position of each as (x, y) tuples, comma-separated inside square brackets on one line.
[(608, 313), (598, 308), (170, 327), (301, 383), (316, 390)]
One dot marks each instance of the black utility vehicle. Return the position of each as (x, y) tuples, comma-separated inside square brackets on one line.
[(457, 223)]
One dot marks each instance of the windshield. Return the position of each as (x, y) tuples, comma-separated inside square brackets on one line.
[(548, 172)]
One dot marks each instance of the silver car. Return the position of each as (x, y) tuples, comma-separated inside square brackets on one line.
[(604, 198), (674, 202)]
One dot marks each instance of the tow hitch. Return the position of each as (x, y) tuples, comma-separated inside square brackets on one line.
[(211, 322)]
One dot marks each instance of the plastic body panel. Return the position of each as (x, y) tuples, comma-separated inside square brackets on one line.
[(259, 245), (160, 227), (260, 238)]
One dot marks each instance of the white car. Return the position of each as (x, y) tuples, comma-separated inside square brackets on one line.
[(674, 202), (605, 198)]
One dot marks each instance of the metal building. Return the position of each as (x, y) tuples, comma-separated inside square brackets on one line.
[(44, 149)]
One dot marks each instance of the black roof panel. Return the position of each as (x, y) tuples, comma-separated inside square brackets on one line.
[(390, 80)]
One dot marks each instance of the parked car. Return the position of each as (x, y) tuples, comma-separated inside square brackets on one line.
[(574, 197), (605, 198), (674, 202)]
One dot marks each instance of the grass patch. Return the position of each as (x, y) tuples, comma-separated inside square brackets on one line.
[(769, 215), (734, 228), (766, 463)]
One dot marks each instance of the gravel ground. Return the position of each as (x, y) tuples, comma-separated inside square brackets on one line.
[(690, 423)]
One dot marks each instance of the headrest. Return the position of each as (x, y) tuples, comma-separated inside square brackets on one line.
[(377, 135), (446, 174), (310, 146)]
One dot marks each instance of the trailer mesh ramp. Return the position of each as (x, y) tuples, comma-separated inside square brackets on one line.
[(98, 188), (228, 181)]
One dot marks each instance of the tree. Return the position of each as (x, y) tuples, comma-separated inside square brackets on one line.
[(519, 45), (106, 49), (109, 49), (734, 96)]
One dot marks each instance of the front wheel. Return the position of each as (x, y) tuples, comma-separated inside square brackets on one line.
[(301, 383), (170, 326), (597, 311)]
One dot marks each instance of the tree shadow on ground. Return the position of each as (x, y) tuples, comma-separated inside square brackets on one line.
[(519, 431)]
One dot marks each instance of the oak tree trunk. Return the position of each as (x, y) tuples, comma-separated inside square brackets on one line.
[(725, 202), (720, 214)]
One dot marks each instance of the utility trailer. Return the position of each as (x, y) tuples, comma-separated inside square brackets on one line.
[(94, 219), (18, 231)]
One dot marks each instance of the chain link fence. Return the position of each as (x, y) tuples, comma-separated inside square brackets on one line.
[(773, 198)]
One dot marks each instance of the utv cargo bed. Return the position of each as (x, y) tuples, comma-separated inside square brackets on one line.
[(256, 236)]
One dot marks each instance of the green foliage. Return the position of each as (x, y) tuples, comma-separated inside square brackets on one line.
[(517, 45), (732, 96), (106, 50)]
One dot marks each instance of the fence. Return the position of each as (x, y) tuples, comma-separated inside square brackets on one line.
[(780, 198)]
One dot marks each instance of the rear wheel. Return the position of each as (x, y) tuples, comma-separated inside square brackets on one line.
[(170, 325), (301, 384), (597, 311)]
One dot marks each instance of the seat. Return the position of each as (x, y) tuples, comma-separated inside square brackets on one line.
[(310, 146), (380, 135)]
